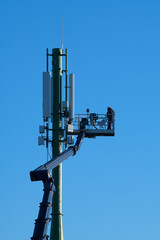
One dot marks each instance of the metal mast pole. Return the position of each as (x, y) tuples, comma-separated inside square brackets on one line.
[(56, 223)]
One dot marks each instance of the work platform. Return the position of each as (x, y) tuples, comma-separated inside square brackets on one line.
[(98, 125)]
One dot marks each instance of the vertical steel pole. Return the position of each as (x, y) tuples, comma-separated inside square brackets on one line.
[(56, 223)]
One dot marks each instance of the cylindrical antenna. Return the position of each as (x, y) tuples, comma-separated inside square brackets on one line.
[(62, 33), (47, 59), (71, 97), (66, 74)]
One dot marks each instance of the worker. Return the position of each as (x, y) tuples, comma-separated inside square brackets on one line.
[(94, 122), (93, 119), (110, 116)]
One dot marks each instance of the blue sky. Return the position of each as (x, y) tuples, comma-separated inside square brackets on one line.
[(111, 187)]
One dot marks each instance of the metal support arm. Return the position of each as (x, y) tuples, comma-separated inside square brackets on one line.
[(43, 172), (41, 223)]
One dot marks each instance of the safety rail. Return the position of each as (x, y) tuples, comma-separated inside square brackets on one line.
[(98, 125)]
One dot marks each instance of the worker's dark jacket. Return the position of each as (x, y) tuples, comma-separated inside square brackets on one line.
[(110, 114)]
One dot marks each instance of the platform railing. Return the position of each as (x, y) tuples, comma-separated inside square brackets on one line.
[(98, 121)]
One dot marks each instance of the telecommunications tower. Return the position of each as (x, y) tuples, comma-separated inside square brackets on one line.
[(60, 126)]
